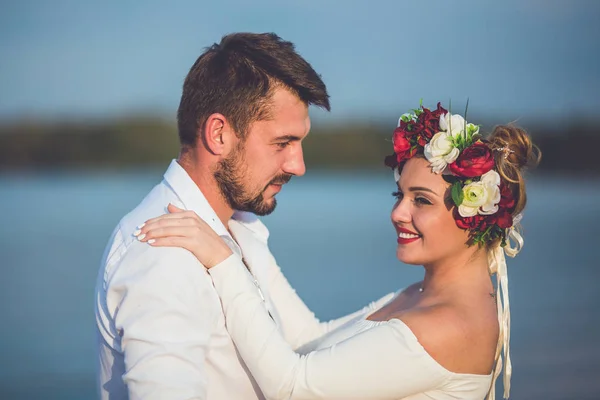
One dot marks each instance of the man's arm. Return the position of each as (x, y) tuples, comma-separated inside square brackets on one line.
[(166, 309)]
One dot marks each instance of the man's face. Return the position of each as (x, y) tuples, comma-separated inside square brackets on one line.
[(271, 153)]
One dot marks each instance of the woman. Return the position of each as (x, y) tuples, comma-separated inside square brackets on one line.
[(458, 201)]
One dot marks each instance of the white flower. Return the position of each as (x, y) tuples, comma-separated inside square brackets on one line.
[(440, 151), (454, 124), (481, 197), (458, 125)]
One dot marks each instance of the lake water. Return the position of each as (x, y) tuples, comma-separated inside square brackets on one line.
[(331, 235)]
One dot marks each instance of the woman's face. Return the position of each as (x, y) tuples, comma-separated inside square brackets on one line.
[(423, 217)]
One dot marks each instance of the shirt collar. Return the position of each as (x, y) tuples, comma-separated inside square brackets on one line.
[(254, 224), (193, 199)]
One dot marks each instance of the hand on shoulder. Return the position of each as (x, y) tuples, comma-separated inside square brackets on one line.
[(185, 229)]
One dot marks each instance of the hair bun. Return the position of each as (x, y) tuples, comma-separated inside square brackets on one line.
[(514, 146), (514, 151)]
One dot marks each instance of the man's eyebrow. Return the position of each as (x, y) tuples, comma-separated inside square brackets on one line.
[(421, 189), (287, 138)]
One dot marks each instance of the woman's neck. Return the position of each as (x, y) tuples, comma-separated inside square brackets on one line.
[(465, 269)]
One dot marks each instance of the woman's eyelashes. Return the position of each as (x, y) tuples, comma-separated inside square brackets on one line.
[(422, 201), (419, 200)]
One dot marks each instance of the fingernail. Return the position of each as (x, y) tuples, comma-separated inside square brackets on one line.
[(141, 226), (142, 236), (137, 232), (150, 241)]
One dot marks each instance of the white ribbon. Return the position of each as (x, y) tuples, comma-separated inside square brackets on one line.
[(497, 265), (514, 236)]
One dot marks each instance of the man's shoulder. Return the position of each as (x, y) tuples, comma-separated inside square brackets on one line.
[(142, 261), (152, 205), (122, 241)]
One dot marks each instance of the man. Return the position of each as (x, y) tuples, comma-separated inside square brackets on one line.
[(242, 118)]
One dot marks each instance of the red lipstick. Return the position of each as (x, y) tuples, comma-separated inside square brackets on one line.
[(406, 240)]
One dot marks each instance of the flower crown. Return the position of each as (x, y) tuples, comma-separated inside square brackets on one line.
[(454, 147)]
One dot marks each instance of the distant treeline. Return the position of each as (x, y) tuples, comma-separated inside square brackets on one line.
[(136, 141)]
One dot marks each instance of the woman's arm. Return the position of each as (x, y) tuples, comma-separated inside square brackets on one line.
[(384, 362), (186, 229), (299, 324)]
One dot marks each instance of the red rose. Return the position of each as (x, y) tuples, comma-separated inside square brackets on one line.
[(403, 125), (401, 144), (430, 121), (507, 200), (440, 111), (503, 219), (405, 155), (468, 222), (473, 161), (403, 148), (410, 137), (408, 128), (423, 139)]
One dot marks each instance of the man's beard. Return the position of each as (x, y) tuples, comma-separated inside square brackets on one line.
[(230, 175)]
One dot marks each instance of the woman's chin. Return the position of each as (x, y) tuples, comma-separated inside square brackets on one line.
[(408, 257)]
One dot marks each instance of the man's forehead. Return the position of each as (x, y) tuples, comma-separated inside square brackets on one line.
[(281, 129)]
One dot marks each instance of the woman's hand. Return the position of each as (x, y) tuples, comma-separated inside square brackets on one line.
[(185, 229)]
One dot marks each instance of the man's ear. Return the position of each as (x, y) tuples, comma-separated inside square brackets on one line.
[(218, 134)]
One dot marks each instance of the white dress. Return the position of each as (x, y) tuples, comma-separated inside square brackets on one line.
[(361, 359)]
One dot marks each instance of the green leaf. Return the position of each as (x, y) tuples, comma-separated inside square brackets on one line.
[(457, 193), (465, 118)]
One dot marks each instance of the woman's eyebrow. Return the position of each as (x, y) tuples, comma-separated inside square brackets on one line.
[(421, 189)]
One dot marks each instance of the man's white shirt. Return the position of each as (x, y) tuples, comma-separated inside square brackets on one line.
[(161, 329)]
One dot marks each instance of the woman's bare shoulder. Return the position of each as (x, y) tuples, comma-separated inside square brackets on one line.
[(461, 340)]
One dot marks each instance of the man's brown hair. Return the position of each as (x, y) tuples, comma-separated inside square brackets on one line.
[(236, 78)]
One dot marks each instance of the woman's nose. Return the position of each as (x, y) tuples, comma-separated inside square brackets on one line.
[(401, 211)]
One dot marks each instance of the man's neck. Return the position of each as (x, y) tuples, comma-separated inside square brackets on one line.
[(209, 188)]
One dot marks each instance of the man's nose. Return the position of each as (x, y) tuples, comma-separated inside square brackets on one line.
[(294, 164)]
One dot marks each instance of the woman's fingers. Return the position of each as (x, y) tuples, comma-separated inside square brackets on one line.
[(173, 241), (170, 220), (178, 215), (143, 229), (167, 231), (183, 228), (207, 250), (174, 209)]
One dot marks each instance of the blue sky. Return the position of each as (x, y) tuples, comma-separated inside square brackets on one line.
[(512, 58)]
